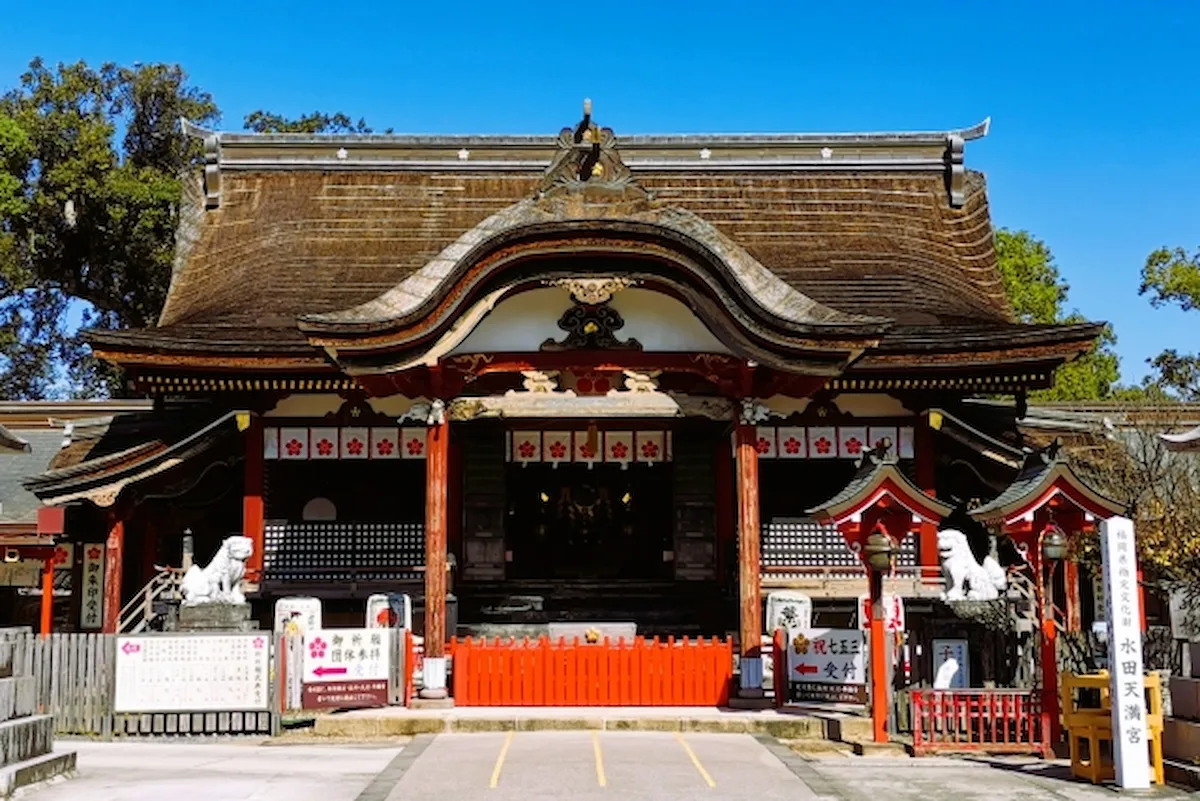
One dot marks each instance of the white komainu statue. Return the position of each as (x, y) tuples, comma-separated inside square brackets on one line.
[(220, 581), (966, 579)]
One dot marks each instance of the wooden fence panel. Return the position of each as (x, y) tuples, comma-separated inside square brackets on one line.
[(991, 721)]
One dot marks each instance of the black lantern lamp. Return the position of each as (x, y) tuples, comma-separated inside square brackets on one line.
[(879, 551), (1054, 545)]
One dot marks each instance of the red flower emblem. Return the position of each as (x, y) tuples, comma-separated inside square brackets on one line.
[(619, 450), (385, 447), (650, 450), (324, 447), (823, 445), (293, 447), (853, 446), (763, 445), (60, 555), (94, 552), (557, 450), (587, 452), (316, 648), (354, 447), (526, 450), (259, 643), (415, 447), (791, 445)]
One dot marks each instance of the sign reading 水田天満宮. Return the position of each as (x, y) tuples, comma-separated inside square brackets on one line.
[(1130, 733), (346, 668), (193, 673), (827, 665)]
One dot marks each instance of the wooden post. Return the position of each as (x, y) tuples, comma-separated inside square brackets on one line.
[(1071, 580), (749, 561), (114, 560), (48, 594), (437, 455), (879, 671), (252, 498), (927, 548), (1051, 725)]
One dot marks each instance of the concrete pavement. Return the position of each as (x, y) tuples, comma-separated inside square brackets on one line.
[(528, 765)]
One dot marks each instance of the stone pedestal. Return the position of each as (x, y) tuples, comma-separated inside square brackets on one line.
[(26, 738), (216, 617)]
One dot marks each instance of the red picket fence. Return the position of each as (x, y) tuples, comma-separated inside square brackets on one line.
[(995, 721), (639, 673)]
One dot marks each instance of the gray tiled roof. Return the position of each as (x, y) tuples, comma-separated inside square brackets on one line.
[(17, 504)]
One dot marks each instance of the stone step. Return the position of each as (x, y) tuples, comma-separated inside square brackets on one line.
[(18, 697), (35, 770), (25, 738)]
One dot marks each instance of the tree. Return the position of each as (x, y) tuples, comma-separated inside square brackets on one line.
[(1172, 276), (1038, 294), (87, 222), (317, 122), (90, 169)]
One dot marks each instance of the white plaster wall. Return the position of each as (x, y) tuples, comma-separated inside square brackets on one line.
[(523, 322)]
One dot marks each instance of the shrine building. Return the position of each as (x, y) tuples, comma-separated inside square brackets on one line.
[(553, 378)]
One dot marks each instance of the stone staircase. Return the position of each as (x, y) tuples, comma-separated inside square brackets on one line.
[(27, 753)]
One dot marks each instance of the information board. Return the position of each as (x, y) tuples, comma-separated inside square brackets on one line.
[(193, 673), (346, 668), (951, 665), (91, 595), (827, 665)]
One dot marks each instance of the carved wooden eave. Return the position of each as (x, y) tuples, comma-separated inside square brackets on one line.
[(566, 404), (590, 206)]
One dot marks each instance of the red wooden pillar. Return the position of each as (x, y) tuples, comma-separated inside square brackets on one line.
[(749, 560), (48, 594), (1071, 581), (252, 497), (1051, 725), (879, 682), (927, 549), (114, 561), (437, 457)]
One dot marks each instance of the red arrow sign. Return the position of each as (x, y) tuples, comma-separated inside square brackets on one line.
[(803, 669), (131, 648), (340, 671)]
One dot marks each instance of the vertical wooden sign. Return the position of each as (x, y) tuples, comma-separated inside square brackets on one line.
[(1130, 733), (91, 596)]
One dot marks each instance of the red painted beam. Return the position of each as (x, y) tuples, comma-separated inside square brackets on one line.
[(252, 497), (437, 455)]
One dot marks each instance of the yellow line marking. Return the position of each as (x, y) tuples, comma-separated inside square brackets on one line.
[(500, 761), (599, 760), (695, 760)]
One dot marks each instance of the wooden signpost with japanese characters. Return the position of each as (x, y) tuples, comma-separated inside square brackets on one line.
[(827, 665), (1130, 732), (346, 668)]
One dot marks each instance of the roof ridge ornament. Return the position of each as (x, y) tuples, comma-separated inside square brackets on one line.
[(587, 159)]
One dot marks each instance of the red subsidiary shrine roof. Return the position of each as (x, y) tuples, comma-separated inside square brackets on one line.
[(879, 481)]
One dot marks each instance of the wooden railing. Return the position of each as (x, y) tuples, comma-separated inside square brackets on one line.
[(638, 673), (993, 721), (137, 615)]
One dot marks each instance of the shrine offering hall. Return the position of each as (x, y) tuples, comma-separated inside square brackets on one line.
[(577, 378)]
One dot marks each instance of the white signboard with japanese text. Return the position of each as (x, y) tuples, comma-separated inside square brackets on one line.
[(193, 673), (893, 613), (788, 609), (297, 615), (1130, 733), (951, 665), (91, 595), (346, 655), (826, 656)]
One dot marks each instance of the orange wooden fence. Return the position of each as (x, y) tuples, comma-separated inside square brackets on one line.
[(639, 673), (994, 721)]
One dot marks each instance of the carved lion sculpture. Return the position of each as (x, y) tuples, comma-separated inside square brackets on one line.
[(220, 581), (966, 579)]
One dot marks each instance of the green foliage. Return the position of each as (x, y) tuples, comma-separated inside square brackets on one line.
[(1038, 294), (1173, 277), (84, 217), (317, 122)]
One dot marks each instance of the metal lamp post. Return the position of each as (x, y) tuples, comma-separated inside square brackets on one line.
[(1051, 549), (877, 554)]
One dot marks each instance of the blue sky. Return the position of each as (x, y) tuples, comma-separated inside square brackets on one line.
[(1095, 144)]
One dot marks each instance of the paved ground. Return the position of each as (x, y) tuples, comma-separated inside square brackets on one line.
[(543, 765)]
